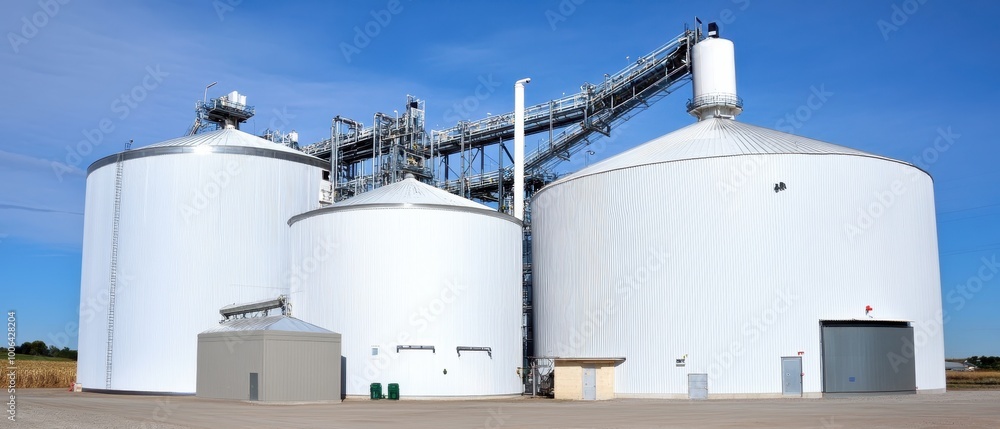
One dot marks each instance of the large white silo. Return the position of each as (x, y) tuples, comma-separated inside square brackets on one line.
[(202, 225), (424, 287), (731, 250)]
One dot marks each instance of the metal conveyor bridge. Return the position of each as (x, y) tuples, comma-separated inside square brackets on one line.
[(396, 145)]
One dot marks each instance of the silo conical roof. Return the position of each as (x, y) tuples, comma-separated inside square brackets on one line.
[(231, 141), (267, 323), (224, 137), (716, 137), (406, 194), (410, 191)]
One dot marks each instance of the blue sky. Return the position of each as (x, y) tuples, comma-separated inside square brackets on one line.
[(896, 87)]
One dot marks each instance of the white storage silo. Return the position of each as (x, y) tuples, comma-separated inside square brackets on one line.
[(738, 253), (202, 225), (424, 286)]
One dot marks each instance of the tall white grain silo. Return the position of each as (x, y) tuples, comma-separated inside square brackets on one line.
[(424, 286), (758, 262), (202, 225)]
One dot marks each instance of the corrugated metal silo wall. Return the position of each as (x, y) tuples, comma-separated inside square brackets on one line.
[(197, 232), (703, 259), (388, 277)]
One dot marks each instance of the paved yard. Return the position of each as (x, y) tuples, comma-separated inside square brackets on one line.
[(57, 408)]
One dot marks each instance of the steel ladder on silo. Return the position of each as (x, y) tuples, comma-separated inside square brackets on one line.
[(113, 282)]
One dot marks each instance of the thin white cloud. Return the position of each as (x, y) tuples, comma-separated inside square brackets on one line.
[(14, 160), (35, 209)]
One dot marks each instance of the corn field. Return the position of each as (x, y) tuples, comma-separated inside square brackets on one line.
[(973, 379), (40, 373)]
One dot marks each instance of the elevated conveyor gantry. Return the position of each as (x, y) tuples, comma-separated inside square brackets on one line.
[(597, 108)]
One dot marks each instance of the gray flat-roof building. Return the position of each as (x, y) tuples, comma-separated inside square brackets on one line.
[(273, 359)]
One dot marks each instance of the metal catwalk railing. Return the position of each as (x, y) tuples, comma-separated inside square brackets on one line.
[(593, 109), (625, 95)]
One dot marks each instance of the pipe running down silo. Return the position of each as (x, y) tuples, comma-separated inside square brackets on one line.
[(519, 147)]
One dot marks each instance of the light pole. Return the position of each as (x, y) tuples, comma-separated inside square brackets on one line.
[(205, 99)]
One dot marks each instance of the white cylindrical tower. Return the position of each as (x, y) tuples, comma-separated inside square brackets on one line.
[(202, 225), (424, 286), (714, 80)]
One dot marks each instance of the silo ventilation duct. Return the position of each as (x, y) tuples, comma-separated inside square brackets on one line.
[(257, 308)]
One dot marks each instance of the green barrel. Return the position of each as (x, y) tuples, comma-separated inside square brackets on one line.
[(376, 391), (394, 391)]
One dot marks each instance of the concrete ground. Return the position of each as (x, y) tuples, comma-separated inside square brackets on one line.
[(57, 408)]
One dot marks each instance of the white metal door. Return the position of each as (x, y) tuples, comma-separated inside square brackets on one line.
[(589, 383), (791, 376), (697, 386)]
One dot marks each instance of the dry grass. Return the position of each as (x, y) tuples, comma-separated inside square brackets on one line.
[(973, 379), (45, 373)]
